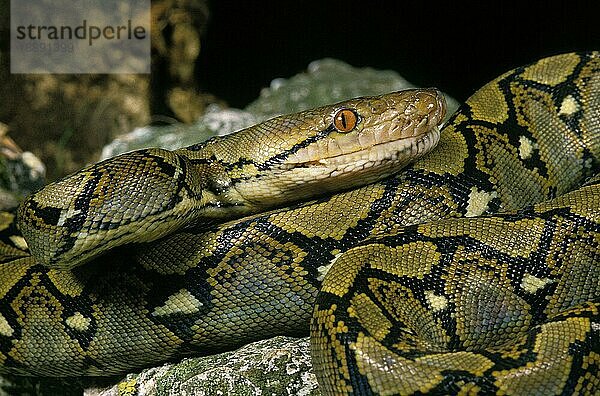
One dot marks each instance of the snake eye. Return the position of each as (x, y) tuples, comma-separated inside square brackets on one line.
[(345, 120)]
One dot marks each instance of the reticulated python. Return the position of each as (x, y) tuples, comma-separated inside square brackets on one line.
[(420, 294)]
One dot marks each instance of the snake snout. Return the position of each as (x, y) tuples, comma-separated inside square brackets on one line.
[(425, 110), (428, 104)]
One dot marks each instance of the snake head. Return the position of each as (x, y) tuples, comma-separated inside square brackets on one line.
[(332, 148)]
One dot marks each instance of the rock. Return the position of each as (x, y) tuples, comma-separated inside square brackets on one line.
[(278, 366)]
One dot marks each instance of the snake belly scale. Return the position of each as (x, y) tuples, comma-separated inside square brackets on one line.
[(473, 271)]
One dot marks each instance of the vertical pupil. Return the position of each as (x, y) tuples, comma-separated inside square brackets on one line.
[(343, 119)]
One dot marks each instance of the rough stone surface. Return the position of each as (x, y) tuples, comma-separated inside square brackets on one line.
[(279, 366)]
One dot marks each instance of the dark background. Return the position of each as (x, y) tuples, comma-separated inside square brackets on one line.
[(457, 46)]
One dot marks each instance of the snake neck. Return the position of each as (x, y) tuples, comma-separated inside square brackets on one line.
[(215, 192)]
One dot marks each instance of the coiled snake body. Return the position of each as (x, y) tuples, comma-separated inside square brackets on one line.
[(420, 288)]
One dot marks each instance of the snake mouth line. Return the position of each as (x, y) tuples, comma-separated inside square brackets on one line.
[(383, 145), (400, 151), (337, 173)]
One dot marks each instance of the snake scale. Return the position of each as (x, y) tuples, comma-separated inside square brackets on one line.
[(472, 271)]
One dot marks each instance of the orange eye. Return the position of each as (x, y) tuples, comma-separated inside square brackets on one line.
[(345, 120)]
